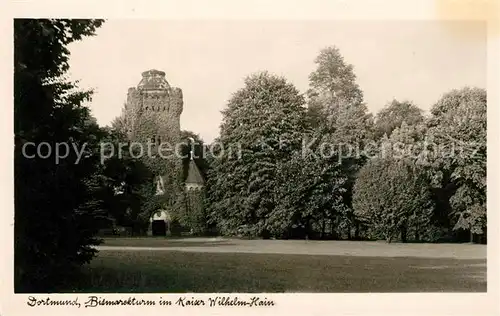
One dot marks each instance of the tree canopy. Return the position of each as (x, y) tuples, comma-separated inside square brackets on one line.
[(394, 114), (458, 128), (262, 124), (392, 197)]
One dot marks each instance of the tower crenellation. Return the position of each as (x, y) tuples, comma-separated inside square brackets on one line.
[(153, 108)]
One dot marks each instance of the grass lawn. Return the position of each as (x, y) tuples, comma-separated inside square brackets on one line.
[(149, 271), (309, 247), (168, 242)]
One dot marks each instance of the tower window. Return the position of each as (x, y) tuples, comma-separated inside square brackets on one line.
[(153, 139)]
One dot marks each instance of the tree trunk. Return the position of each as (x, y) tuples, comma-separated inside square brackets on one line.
[(307, 228), (417, 231), (323, 227), (403, 233)]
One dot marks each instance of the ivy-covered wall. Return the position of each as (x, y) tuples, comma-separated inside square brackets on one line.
[(196, 217), (152, 118)]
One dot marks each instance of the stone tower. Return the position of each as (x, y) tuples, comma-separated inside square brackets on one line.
[(152, 117), (153, 109)]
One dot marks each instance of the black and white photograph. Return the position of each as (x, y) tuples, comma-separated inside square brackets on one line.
[(251, 156)]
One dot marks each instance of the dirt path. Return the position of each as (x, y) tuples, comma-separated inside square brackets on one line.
[(335, 248)]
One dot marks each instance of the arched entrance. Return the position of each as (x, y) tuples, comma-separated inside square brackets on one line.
[(159, 228), (159, 223)]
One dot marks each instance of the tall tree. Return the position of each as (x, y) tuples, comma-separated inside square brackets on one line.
[(457, 128), (337, 111), (408, 143), (334, 78), (262, 125), (55, 206)]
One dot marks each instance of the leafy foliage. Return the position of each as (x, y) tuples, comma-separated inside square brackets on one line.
[(159, 159), (334, 78), (391, 196), (130, 186), (310, 196), (197, 215), (56, 205), (458, 126), (261, 126), (340, 117), (394, 114)]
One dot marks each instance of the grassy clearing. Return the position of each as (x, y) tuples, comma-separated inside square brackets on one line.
[(173, 271), (309, 247)]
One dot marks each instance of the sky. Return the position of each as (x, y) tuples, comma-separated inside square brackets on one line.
[(405, 60)]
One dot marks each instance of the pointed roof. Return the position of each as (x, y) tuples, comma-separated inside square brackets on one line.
[(194, 175)]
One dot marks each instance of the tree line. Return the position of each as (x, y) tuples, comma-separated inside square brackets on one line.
[(418, 177)]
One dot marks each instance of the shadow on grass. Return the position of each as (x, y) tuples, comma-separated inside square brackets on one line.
[(162, 242), (180, 272)]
